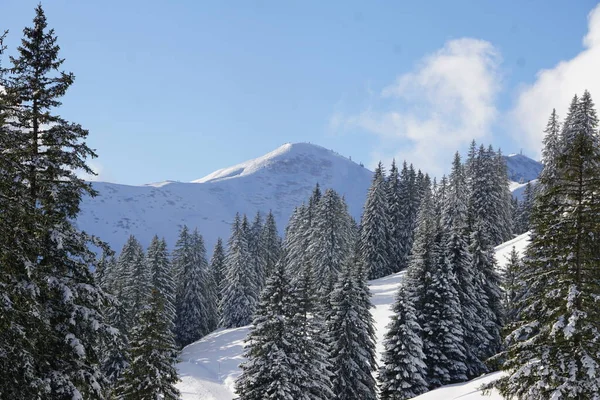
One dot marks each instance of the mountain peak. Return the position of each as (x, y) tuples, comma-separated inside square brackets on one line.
[(290, 158)]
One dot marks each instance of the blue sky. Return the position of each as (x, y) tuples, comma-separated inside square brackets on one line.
[(175, 90)]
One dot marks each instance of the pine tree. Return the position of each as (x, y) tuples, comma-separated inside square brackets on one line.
[(409, 203), (525, 208), (460, 262), (217, 270), (484, 204), (192, 302), (256, 248), (272, 245), (396, 216), (351, 338), (404, 373), (133, 281), (513, 286), (552, 146), (309, 326), (46, 261), (210, 288), (554, 349), (374, 229), (238, 298), (331, 239), (157, 261), (152, 373), (273, 367)]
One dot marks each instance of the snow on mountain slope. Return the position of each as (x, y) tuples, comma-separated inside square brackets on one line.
[(522, 168), (209, 367), (278, 181)]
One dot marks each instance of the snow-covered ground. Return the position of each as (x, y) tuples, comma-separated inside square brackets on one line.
[(209, 367)]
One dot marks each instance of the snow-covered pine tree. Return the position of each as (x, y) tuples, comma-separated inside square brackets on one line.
[(552, 146), (455, 220), (133, 281), (256, 248), (409, 204), (309, 325), (554, 350), (331, 239), (272, 244), (238, 297), (273, 369), (217, 270), (484, 204), (152, 373), (525, 207), (157, 261), (403, 374), (191, 308), (351, 342), (396, 215), (209, 286), (513, 286), (374, 229), (501, 186), (47, 256), (435, 299)]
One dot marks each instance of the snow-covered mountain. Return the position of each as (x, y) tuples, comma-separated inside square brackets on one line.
[(522, 169), (209, 367), (277, 181)]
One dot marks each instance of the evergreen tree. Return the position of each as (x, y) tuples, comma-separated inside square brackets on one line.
[(273, 367), (374, 229), (404, 373), (192, 302), (238, 298), (351, 337), (552, 146), (460, 262), (256, 248), (513, 286), (331, 239), (152, 373), (209, 286), (133, 280), (484, 211), (272, 245), (309, 326), (554, 348), (157, 261), (217, 270), (525, 208), (396, 215), (47, 283)]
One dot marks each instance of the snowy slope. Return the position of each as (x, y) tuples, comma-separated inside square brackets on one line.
[(208, 368), (522, 168), (278, 181)]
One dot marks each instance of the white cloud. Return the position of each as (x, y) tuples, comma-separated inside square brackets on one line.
[(555, 87), (98, 168), (425, 115)]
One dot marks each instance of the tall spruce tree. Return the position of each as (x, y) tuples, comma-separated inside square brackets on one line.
[(374, 229), (403, 374), (238, 297), (455, 220), (152, 373), (351, 338), (256, 248), (45, 260), (273, 367), (272, 244), (133, 280), (396, 215), (554, 350), (157, 260), (217, 270), (192, 300), (331, 239)]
